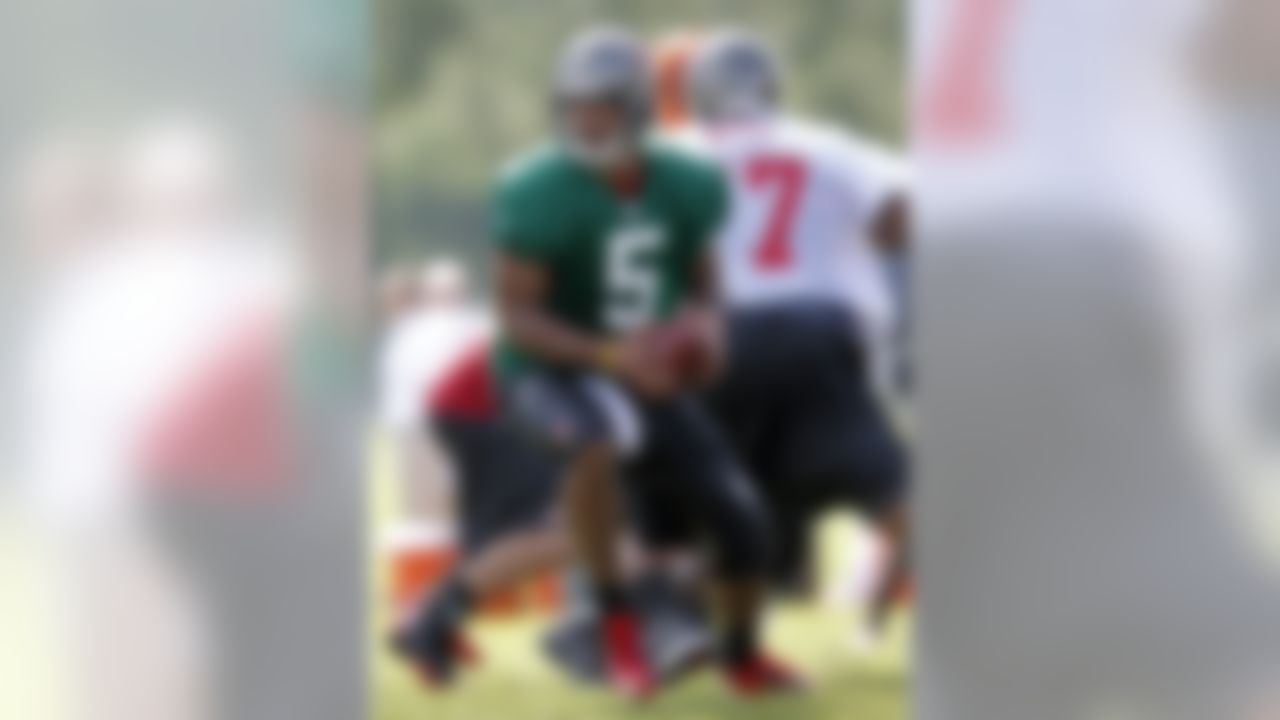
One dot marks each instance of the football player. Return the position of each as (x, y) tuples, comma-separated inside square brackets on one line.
[(816, 228), (819, 221), (603, 247), (510, 531)]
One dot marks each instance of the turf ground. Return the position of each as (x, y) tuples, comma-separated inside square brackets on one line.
[(515, 684)]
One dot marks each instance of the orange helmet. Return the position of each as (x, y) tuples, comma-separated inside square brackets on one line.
[(671, 56)]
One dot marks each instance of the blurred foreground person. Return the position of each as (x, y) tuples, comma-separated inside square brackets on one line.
[(135, 312), (817, 215), (608, 324), (252, 449), (1083, 552)]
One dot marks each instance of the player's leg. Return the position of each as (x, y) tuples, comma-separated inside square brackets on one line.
[(436, 640), (838, 447), (871, 479), (593, 506), (509, 535), (666, 579), (799, 408), (667, 576), (893, 582), (869, 473), (666, 592), (671, 577), (515, 558), (771, 363), (592, 424), (686, 451)]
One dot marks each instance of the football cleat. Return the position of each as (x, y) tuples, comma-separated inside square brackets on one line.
[(763, 675), (572, 644), (434, 647), (626, 665), (676, 633)]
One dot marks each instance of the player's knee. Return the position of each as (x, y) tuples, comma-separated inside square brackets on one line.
[(593, 455), (551, 544), (744, 542), (561, 420), (576, 438)]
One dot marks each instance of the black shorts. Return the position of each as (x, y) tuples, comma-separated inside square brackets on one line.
[(798, 405), (505, 483), (680, 473)]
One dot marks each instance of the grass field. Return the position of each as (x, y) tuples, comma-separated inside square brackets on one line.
[(514, 683)]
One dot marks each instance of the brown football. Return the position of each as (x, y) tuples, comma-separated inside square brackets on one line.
[(683, 344)]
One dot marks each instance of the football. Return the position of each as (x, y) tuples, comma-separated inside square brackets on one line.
[(684, 344)]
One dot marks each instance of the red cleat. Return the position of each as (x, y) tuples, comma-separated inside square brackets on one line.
[(625, 662), (763, 675)]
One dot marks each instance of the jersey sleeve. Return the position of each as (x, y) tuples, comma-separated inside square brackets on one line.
[(521, 222), (872, 175), (711, 208)]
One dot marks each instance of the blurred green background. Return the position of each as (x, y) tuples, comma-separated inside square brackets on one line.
[(460, 86)]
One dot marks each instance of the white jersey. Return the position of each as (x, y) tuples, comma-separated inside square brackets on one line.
[(417, 351), (804, 197)]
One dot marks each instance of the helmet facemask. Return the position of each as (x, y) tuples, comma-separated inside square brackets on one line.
[(601, 99)]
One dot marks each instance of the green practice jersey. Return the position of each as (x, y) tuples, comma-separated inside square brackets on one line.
[(614, 262)]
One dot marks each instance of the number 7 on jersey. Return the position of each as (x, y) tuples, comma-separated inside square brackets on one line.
[(783, 178)]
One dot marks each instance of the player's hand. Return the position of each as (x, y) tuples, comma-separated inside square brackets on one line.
[(639, 363), (697, 345), (690, 345)]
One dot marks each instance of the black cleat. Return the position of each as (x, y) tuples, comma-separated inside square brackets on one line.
[(432, 642)]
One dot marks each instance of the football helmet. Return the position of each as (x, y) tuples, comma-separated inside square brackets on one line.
[(734, 76), (601, 95)]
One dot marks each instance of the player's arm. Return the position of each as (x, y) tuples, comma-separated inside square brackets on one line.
[(528, 244), (702, 299), (704, 312), (522, 289), (876, 184), (891, 225)]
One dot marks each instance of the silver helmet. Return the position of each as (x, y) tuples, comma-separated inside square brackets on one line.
[(603, 65), (734, 76)]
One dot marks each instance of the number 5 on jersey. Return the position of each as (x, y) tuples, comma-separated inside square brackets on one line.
[(633, 291)]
